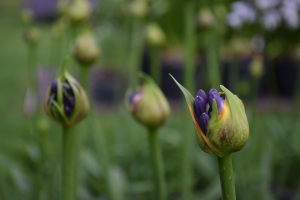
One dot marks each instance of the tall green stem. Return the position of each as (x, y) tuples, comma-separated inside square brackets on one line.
[(67, 164), (226, 177), (155, 69), (160, 183), (135, 52), (189, 83)]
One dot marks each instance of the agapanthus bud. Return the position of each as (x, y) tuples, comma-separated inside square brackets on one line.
[(31, 35), (154, 35), (149, 105), (86, 50), (79, 11), (137, 8), (27, 16), (205, 19), (226, 130), (257, 66), (66, 101), (62, 6)]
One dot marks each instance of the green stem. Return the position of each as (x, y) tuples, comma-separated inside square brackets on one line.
[(155, 69), (67, 165), (84, 73), (189, 83), (226, 177), (136, 52), (160, 183)]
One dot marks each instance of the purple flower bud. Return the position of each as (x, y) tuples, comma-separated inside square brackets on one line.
[(223, 96), (68, 111), (199, 106), (54, 90), (131, 97), (204, 119), (202, 94), (212, 91), (218, 99)]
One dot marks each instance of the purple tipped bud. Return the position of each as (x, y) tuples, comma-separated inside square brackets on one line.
[(199, 106), (131, 97), (68, 111), (54, 89), (211, 91), (204, 119), (202, 94), (223, 96), (218, 99)]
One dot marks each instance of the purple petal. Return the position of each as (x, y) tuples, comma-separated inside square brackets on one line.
[(199, 106), (204, 119), (202, 94), (218, 99)]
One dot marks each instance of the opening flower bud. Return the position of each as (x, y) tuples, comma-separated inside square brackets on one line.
[(86, 50), (149, 106), (66, 101), (222, 128), (79, 11)]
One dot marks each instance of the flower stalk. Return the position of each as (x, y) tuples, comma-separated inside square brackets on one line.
[(226, 177), (160, 182), (67, 165)]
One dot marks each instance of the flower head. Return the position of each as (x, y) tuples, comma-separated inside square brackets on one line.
[(149, 105), (79, 11), (220, 120), (66, 101)]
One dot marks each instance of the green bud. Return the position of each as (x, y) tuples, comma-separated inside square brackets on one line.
[(154, 35), (149, 106), (31, 36), (43, 125), (228, 131), (86, 50), (27, 16), (79, 11), (66, 101), (138, 8), (62, 6), (205, 19), (257, 66)]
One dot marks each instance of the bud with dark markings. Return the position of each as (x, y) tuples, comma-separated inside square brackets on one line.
[(149, 106), (220, 120), (66, 101)]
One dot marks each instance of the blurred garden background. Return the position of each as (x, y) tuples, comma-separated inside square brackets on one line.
[(252, 47)]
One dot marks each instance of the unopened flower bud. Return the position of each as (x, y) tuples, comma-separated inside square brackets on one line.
[(138, 8), (154, 35), (86, 50), (66, 101), (31, 36), (27, 16), (205, 19), (79, 11), (257, 66), (226, 130), (62, 6), (149, 106)]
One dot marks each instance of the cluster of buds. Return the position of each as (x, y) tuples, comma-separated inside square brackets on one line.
[(220, 121), (86, 50), (66, 101), (149, 106), (79, 11)]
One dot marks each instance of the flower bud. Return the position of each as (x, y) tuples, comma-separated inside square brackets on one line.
[(154, 35), (227, 129), (205, 19), (137, 8), (79, 11), (31, 36), (149, 106), (256, 66), (27, 16), (62, 6), (66, 101), (86, 50)]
